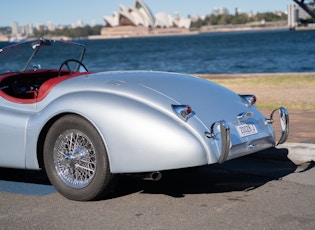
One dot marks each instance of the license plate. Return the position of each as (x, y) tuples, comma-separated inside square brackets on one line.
[(246, 130)]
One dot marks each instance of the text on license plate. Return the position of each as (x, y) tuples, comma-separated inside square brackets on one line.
[(246, 130)]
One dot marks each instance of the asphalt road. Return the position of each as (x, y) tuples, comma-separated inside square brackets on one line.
[(261, 191)]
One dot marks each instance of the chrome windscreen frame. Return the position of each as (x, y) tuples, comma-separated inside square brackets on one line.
[(36, 45)]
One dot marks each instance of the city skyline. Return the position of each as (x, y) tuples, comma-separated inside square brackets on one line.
[(70, 12)]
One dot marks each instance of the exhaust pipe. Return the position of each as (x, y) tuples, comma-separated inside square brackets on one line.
[(155, 176)]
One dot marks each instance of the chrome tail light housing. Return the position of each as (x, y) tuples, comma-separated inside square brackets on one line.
[(184, 112), (249, 99)]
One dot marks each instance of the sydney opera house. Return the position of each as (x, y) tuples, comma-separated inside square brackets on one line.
[(138, 20)]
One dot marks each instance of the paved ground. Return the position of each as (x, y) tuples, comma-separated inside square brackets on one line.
[(261, 191)]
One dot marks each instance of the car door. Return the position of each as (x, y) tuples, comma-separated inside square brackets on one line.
[(13, 121)]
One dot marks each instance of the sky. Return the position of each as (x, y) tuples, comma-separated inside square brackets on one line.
[(66, 12)]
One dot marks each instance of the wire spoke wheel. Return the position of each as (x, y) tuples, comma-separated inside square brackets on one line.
[(74, 158)]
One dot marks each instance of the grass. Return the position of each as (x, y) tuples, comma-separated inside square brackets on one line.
[(291, 90), (291, 106), (283, 80)]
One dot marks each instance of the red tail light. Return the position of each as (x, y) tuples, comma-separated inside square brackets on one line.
[(253, 99), (188, 110)]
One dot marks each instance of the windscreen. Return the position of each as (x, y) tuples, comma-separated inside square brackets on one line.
[(40, 54)]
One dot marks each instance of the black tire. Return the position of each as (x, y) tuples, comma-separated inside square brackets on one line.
[(76, 160)]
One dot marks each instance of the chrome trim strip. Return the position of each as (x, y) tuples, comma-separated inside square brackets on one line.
[(244, 115)]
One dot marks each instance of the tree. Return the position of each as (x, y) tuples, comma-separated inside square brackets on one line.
[(238, 18), (70, 32)]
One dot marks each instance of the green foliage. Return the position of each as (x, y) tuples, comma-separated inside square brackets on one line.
[(270, 17), (70, 32), (284, 80), (308, 20), (5, 30), (228, 19)]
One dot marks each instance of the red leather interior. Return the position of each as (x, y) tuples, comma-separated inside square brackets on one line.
[(45, 82)]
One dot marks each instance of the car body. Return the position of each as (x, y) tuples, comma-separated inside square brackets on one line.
[(87, 128)]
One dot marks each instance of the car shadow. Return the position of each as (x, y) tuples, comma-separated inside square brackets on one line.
[(26, 182), (241, 174)]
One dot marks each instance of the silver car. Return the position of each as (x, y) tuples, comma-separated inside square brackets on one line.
[(85, 129)]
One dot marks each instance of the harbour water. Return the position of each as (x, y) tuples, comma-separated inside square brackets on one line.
[(242, 52)]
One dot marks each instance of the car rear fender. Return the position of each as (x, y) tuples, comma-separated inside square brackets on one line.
[(139, 137)]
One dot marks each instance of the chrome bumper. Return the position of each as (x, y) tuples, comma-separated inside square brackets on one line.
[(284, 122), (225, 135)]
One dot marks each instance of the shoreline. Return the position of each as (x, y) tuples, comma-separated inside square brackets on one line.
[(141, 32), (134, 32)]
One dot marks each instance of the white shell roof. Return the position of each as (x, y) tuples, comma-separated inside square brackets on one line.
[(141, 15)]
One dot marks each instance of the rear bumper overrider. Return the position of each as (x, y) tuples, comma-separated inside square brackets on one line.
[(284, 122), (227, 151)]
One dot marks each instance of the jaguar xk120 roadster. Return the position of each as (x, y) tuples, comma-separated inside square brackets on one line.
[(85, 129)]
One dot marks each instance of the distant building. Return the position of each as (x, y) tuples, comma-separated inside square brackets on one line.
[(220, 11), (139, 21), (141, 15), (20, 33), (15, 28), (50, 26), (295, 15)]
